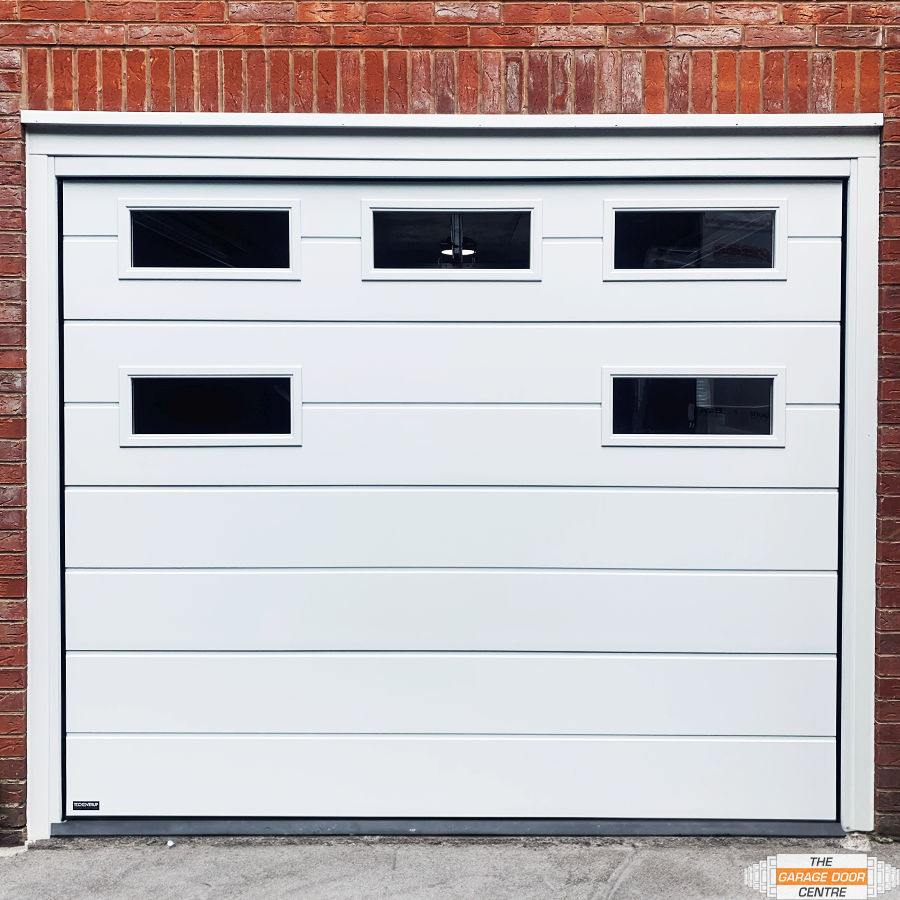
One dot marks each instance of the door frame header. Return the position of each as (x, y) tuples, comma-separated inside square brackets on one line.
[(830, 124)]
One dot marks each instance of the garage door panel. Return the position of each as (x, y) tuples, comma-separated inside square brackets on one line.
[(418, 527), (343, 693), (446, 777), (332, 208), (452, 610), (452, 600), (503, 363), (570, 289), (447, 445)]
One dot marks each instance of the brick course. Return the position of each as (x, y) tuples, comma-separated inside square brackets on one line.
[(557, 77), (448, 56)]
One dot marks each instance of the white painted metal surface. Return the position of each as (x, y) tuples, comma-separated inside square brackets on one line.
[(569, 290), (451, 609), (563, 285), (485, 417), (451, 363), (454, 776), (694, 776), (442, 693), (331, 209), (857, 772), (424, 444), (451, 527)]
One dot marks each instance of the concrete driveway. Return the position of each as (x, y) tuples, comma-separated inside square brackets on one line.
[(388, 867)]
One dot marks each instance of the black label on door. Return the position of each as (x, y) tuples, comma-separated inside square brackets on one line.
[(86, 804)]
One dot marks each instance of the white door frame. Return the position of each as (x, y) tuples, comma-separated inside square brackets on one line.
[(205, 145)]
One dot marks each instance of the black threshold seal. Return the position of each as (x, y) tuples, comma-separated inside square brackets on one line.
[(115, 827)]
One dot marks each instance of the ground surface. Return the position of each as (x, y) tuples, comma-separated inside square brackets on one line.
[(421, 868)]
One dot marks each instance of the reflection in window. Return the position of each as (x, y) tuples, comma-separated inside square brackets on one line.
[(725, 405), (701, 239), (497, 239), (210, 238), (216, 405)]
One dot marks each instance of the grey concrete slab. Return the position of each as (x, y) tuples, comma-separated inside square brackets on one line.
[(331, 868)]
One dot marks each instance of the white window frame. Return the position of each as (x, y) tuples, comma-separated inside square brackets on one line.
[(86, 144), (775, 439), (370, 273), (127, 437), (778, 272), (128, 271)]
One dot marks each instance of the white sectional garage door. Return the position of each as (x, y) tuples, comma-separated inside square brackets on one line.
[(477, 500)]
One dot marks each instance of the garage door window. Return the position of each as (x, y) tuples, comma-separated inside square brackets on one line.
[(654, 407), (209, 239), (211, 405), (709, 241), (452, 240), (423, 241), (695, 239), (165, 407), (739, 406)]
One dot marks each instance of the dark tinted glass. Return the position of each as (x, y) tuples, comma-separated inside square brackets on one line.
[(692, 405), (702, 239), (218, 405), (452, 240), (210, 238)]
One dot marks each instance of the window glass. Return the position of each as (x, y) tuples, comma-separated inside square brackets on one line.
[(725, 405), (216, 405), (497, 239), (695, 239), (210, 238)]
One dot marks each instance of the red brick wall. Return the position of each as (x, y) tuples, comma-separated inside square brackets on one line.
[(12, 456), (447, 56)]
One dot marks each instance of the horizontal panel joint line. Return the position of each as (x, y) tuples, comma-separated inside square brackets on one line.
[(824, 738), (441, 569)]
